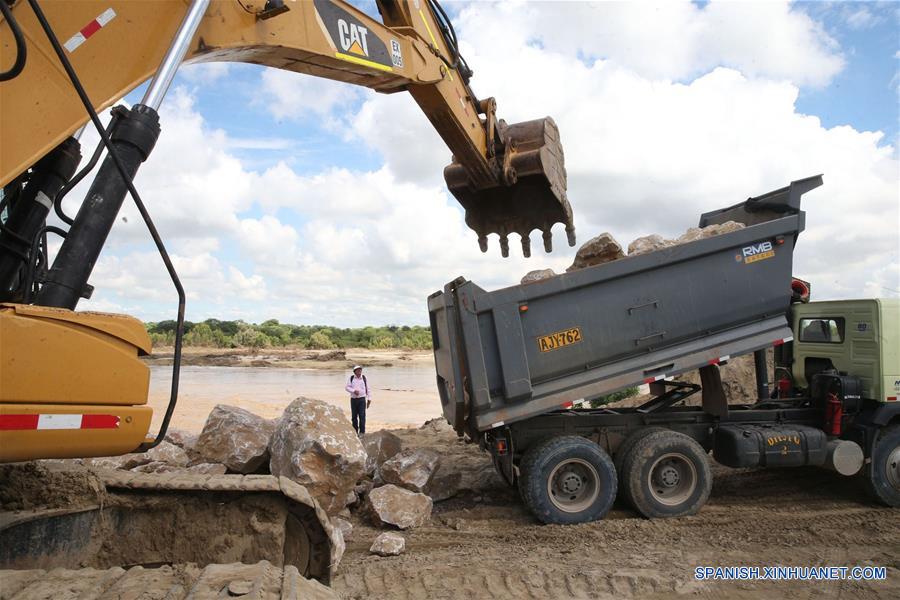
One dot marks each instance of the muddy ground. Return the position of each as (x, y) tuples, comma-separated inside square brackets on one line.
[(485, 544)]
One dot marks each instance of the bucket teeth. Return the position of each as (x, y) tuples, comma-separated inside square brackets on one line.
[(526, 246), (504, 246), (534, 198), (548, 241)]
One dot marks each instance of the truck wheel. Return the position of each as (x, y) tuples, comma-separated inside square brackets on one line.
[(883, 479), (568, 480), (622, 451), (667, 474)]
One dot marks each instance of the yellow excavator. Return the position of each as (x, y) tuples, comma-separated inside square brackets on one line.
[(72, 384)]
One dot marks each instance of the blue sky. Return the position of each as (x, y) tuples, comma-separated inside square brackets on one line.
[(273, 188), (864, 93)]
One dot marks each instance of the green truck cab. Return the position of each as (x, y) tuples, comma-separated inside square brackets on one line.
[(858, 337)]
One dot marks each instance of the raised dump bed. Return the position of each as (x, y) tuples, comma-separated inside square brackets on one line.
[(521, 351)]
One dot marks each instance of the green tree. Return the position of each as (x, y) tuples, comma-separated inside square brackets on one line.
[(320, 341)]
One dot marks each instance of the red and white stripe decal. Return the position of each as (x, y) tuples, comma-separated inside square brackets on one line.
[(892, 398), (720, 360), (652, 379), (569, 404), (789, 338), (90, 29), (50, 421)]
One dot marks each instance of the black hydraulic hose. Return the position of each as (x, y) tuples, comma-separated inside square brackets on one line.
[(28, 284), (21, 48), (157, 240), (98, 151)]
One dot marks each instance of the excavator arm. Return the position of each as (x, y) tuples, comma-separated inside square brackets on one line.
[(64, 61), (509, 178)]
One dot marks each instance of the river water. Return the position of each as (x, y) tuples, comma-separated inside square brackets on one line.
[(401, 396)]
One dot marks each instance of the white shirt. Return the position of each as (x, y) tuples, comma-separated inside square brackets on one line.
[(357, 387)]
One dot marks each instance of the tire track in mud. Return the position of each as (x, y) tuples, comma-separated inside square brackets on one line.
[(494, 548)]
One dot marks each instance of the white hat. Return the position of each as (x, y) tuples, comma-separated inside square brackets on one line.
[(357, 367)]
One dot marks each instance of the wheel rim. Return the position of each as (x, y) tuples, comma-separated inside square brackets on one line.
[(573, 485), (672, 479), (892, 468)]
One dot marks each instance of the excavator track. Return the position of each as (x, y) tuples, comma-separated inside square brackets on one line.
[(119, 519), (260, 581)]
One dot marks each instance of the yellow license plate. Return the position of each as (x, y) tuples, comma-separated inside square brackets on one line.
[(557, 340)]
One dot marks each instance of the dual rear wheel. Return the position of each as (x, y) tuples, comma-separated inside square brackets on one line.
[(571, 479)]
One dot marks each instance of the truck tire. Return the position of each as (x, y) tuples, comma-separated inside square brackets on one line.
[(883, 475), (622, 451), (667, 474), (567, 480)]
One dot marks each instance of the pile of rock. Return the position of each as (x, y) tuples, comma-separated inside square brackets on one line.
[(604, 248), (313, 444)]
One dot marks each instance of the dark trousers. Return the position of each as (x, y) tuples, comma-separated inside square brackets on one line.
[(358, 414)]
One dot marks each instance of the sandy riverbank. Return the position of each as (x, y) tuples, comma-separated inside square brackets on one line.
[(291, 358)]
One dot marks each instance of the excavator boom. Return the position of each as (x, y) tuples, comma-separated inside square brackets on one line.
[(508, 178)]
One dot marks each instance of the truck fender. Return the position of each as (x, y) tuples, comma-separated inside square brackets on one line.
[(886, 413)]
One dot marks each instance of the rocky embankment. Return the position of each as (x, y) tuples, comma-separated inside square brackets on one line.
[(379, 479)]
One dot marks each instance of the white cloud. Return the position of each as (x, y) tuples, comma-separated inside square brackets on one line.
[(663, 40), (649, 146), (295, 97)]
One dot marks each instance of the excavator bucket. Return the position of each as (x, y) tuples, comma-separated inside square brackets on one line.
[(532, 187)]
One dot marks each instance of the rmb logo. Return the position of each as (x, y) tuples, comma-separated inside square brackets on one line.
[(757, 252), (353, 37)]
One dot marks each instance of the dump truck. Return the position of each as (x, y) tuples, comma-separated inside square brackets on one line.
[(516, 367)]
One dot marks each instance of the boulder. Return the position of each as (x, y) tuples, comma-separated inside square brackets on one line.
[(181, 438), (698, 233), (597, 251), (538, 275), (168, 453), (363, 488), (444, 486), (165, 454), (208, 469), (651, 243), (392, 505), (125, 462), (648, 243), (412, 468), (436, 425), (315, 445), (344, 525), (388, 544), (380, 446), (235, 438)]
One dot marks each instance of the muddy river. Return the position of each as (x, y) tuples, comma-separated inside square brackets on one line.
[(401, 396)]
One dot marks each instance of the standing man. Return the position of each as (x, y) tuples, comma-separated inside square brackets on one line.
[(360, 399)]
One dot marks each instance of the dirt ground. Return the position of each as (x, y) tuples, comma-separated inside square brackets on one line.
[(485, 544)]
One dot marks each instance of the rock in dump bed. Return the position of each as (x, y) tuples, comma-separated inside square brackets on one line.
[(260, 581)]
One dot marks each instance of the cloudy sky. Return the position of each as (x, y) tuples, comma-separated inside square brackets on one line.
[(289, 197)]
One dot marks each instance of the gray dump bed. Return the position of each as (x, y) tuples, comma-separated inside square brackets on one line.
[(517, 352)]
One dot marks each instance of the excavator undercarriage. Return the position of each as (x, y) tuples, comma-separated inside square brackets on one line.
[(102, 519)]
